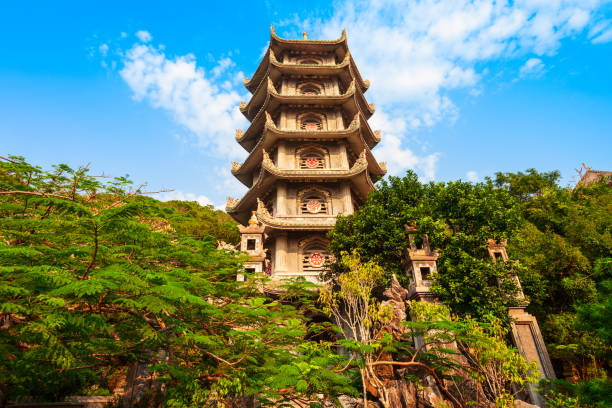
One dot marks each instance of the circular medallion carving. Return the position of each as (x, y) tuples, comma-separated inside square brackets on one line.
[(316, 259), (313, 206), (312, 162)]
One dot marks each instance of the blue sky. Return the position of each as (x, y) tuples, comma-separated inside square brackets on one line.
[(462, 89)]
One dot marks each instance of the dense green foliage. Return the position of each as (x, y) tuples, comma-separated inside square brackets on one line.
[(95, 277), (458, 218), (561, 238)]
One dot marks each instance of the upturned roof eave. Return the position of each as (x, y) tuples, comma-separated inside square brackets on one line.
[(274, 99), (358, 175), (274, 223), (269, 63), (259, 74), (271, 134), (300, 43)]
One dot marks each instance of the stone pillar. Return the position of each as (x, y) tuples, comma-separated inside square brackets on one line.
[(281, 199), (344, 163), (339, 121), (347, 202), (280, 254), (282, 157), (526, 333)]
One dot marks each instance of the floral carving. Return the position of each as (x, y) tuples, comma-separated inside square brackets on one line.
[(361, 161)]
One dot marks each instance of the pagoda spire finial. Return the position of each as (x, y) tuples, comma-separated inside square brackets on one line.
[(253, 220), (305, 35)]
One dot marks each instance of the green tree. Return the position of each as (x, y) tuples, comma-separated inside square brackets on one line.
[(563, 244), (458, 218), (95, 277)]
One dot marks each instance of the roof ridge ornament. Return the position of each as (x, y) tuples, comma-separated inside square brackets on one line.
[(261, 208), (271, 86), (231, 202), (361, 161), (266, 160), (269, 121)]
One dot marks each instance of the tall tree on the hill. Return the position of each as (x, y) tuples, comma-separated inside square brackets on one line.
[(95, 277)]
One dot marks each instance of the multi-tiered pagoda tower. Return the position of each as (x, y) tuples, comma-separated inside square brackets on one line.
[(310, 156)]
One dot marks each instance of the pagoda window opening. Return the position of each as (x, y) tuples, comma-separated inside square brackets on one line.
[(312, 158), (309, 89), (311, 123), (314, 255), (251, 244), (309, 61), (425, 272), (313, 202), (498, 256)]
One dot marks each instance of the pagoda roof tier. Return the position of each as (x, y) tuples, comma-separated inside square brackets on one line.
[(243, 171), (272, 68), (290, 223), (309, 45), (269, 99), (270, 174), (263, 122)]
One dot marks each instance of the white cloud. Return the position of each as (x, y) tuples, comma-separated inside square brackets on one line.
[(203, 102), (601, 32), (533, 67), (144, 36), (415, 52), (103, 49), (472, 176)]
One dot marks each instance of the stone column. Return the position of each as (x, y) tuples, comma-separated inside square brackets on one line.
[(344, 163), (280, 255), (283, 159), (281, 199), (339, 121), (347, 201)]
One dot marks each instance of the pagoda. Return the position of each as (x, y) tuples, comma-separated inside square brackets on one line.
[(309, 154)]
